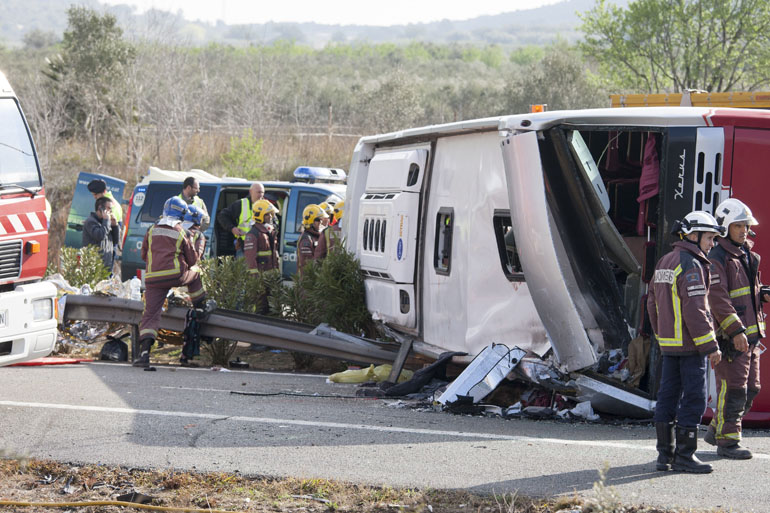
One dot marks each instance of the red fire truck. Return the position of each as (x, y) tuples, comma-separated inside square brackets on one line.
[(27, 304)]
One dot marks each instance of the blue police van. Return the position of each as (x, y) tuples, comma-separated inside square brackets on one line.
[(311, 185)]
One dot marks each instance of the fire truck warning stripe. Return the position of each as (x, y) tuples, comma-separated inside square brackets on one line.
[(34, 220), (18, 226)]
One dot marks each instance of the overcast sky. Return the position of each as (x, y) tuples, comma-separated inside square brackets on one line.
[(336, 12)]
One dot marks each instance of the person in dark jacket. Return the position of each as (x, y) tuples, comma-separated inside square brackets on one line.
[(101, 229), (736, 300), (261, 246), (236, 218), (332, 234), (680, 318), (308, 241)]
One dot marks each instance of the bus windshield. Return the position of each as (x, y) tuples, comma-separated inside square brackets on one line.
[(18, 165)]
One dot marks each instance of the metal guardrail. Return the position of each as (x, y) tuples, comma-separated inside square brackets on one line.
[(231, 325)]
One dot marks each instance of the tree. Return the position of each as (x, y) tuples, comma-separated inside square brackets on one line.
[(672, 45), (245, 157), (93, 62), (37, 38), (559, 79)]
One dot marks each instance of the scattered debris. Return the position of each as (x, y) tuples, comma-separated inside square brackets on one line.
[(483, 374)]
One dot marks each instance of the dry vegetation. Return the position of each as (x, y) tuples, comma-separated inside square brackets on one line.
[(47, 481)]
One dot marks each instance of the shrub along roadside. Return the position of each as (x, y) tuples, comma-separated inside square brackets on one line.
[(330, 291), (79, 266)]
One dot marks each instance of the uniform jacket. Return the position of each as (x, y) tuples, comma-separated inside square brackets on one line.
[(677, 302), (198, 241), (306, 247), (100, 233), (261, 248), (326, 241), (168, 252), (735, 290)]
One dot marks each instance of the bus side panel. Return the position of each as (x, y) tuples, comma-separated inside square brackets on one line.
[(750, 184)]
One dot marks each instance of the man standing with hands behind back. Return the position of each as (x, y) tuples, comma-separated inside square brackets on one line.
[(680, 318)]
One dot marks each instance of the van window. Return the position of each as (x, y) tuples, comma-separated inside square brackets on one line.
[(158, 193), (442, 250), (506, 246), (304, 199)]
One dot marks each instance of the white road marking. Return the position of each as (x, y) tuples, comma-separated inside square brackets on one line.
[(339, 425)]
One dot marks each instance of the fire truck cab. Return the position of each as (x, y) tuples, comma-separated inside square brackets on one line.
[(27, 305)]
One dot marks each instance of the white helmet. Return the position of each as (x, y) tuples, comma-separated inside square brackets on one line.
[(699, 221), (734, 211)]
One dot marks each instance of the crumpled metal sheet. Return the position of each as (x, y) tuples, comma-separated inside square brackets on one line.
[(484, 373), (613, 399)]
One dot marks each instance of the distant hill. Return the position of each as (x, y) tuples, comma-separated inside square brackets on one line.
[(532, 26)]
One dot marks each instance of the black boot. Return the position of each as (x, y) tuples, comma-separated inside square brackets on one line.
[(734, 452), (665, 432), (684, 455), (711, 435), (143, 360)]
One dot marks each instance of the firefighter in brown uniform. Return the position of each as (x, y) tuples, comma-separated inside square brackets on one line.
[(306, 246), (679, 314), (736, 300), (169, 255), (332, 234), (260, 245)]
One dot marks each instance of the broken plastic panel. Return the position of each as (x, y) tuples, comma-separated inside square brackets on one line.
[(484, 373)]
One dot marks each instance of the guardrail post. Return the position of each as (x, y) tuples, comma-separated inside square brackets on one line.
[(398, 363), (134, 341)]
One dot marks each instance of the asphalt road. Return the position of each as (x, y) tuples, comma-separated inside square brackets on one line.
[(188, 418)]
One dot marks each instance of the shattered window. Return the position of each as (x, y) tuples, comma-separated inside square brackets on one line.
[(506, 246)]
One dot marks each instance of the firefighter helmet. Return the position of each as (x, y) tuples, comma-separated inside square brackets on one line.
[(327, 207), (175, 207), (734, 211), (194, 215), (339, 210), (261, 208), (311, 214), (699, 221)]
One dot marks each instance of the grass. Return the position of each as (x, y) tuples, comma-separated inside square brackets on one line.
[(32, 480), (44, 481)]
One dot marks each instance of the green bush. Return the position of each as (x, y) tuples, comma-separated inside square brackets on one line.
[(330, 291), (245, 157), (80, 266), (228, 281)]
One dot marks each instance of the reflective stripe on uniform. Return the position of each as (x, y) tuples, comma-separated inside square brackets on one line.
[(152, 333), (164, 232), (708, 337), (721, 407), (743, 291), (728, 321), (752, 329), (264, 253), (676, 304)]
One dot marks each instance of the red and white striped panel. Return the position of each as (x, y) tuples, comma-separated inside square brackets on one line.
[(19, 224)]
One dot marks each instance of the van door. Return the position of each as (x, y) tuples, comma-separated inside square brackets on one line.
[(560, 302), (83, 204), (387, 238)]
